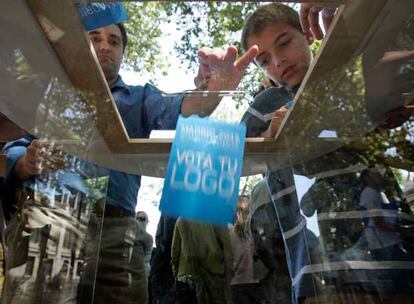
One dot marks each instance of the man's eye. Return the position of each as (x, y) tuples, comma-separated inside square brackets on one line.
[(95, 39), (114, 42)]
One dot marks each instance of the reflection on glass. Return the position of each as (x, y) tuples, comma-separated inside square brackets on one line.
[(330, 223), (54, 236)]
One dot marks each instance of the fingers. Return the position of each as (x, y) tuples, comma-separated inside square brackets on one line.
[(230, 56), (247, 58), (220, 69), (314, 21), (275, 123), (206, 55), (309, 18), (42, 157), (304, 13)]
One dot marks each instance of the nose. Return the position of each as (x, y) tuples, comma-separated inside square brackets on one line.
[(104, 46), (278, 61)]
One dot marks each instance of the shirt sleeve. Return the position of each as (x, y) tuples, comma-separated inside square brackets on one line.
[(254, 125), (259, 115), (367, 199), (14, 151), (161, 111)]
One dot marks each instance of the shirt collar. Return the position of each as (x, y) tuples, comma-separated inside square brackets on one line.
[(293, 89), (119, 83)]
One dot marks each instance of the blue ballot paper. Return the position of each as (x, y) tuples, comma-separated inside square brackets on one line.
[(97, 15), (203, 174)]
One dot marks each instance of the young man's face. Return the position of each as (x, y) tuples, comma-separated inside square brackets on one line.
[(107, 42), (284, 53)]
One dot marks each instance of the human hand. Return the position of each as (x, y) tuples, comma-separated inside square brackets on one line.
[(40, 157), (309, 18), (275, 124), (380, 74), (222, 70)]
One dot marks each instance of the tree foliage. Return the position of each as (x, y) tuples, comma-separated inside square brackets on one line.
[(218, 24), (203, 23)]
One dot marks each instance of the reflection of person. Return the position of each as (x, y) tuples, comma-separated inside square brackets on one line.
[(161, 278), (380, 231), (245, 287), (202, 252), (142, 108), (268, 245), (328, 195), (142, 220)]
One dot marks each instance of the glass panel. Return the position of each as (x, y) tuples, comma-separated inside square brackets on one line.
[(328, 220)]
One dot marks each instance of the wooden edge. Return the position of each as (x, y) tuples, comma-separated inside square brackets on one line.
[(62, 26), (327, 58), (253, 146), (3, 163), (163, 145)]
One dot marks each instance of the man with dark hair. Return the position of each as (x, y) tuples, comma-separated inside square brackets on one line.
[(124, 36), (144, 237), (143, 109)]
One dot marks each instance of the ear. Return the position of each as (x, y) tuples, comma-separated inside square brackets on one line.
[(309, 37)]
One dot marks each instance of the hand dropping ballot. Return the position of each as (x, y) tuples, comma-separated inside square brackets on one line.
[(204, 169)]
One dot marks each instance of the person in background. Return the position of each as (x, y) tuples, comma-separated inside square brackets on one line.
[(245, 287), (201, 255), (142, 220)]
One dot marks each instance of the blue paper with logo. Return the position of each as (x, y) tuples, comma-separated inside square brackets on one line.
[(96, 15), (202, 181)]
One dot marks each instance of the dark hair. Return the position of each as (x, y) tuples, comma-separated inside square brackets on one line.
[(124, 35), (267, 15)]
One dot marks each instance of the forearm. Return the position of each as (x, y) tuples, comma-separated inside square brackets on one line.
[(200, 105)]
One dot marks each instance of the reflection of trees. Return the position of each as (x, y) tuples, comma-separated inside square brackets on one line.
[(338, 104), (392, 147), (65, 114), (202, 23)]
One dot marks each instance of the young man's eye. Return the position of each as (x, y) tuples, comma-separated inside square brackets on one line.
[(114, 42), (285, 42), (264, 62)]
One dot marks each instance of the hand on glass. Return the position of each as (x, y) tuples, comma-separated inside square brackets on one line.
[(222, 70), (309, 18)]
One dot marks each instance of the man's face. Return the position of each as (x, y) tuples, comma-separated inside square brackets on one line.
[(107, 43), (284, 53)]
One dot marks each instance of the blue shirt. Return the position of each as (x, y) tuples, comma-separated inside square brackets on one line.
[(143, 109)]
